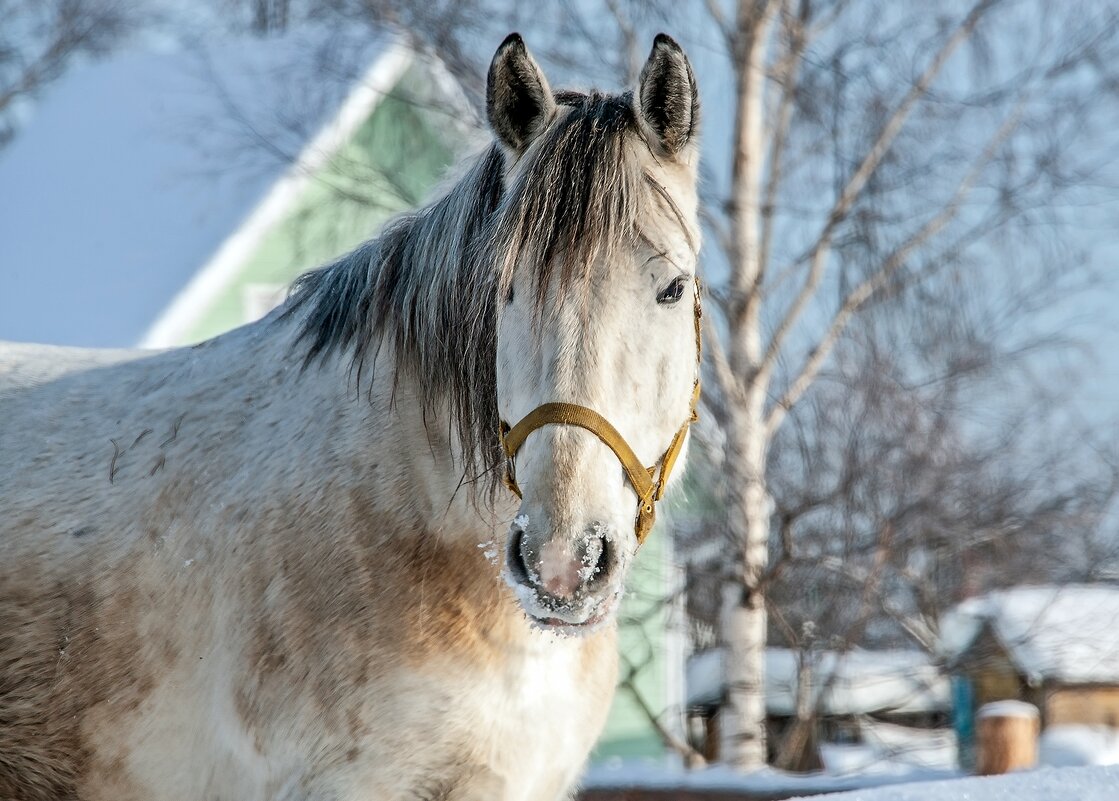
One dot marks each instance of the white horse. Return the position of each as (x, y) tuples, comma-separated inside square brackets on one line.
[(251, 569)]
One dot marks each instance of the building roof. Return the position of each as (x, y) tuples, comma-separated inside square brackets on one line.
[(848, 683), (1067, 633), (135, 175)]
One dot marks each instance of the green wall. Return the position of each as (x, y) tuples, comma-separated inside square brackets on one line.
[(644, 619), (649, 624), (389, 166)]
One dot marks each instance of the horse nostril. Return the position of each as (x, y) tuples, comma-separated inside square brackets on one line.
[(601, 573), (514, 555), (603, 565)]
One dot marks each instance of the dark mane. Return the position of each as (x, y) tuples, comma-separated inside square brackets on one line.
[(430, 282)]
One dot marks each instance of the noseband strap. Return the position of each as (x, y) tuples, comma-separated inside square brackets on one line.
[(646, 482)]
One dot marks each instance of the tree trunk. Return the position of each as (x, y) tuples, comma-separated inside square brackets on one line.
[(799, 750), (743, 618)]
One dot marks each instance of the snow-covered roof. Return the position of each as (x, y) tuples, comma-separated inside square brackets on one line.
[(1068, 633), (847, 683), (135, 173), (1008, 708)]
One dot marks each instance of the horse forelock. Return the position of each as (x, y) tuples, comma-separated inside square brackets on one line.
[(430, 282), (575, 199)]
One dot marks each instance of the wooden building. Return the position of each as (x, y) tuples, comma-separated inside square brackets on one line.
[(853, 702), (1056, 647)]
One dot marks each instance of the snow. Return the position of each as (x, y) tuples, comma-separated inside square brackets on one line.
[(1067, 784), (656, 775), (133, 171), (1074, 746), (1008, 709), (873, 760), (891, 755), (892, 749), (852, 682), (489, 550), (1070, 633), (1047, 784)]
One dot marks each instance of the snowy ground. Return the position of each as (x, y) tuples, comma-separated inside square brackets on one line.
[(763, 782), (1044, 784), (892, 754), (1078, 763), (1061, 784), (903, 767), (1079, 746)]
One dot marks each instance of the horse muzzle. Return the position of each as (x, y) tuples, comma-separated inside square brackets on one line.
[(566, 580)]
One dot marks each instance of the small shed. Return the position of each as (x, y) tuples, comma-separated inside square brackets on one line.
[(849, 694), (1056, 647)]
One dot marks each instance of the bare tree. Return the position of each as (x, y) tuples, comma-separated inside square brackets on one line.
[(840, 109), (261, 17), (906, 511), (40, 38), (270, 15)]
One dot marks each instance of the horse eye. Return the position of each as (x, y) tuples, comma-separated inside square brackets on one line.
[(672, 293)]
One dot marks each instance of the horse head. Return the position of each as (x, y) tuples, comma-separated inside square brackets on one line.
[(596, 239)]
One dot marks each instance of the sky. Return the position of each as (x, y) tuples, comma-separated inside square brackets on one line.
[(141, 159)]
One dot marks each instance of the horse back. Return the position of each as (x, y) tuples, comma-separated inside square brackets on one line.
[(83, 554)]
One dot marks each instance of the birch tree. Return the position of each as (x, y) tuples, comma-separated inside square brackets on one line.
[(805, 256)]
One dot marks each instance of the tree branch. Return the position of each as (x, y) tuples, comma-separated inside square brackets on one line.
[(628, 37), (73, 27), (821, 250), (866, 288), (717, 357), (629, 682), (788, 72), (715, 11)]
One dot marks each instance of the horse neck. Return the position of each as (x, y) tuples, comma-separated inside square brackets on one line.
[(373, 429), (422, 470)]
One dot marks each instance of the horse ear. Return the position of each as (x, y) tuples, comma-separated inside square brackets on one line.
[(667, 100), (519, 102)]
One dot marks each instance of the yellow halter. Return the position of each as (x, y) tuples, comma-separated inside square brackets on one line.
[(646, 483)]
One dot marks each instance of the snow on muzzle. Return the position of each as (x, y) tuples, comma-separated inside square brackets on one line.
[(567, 579)]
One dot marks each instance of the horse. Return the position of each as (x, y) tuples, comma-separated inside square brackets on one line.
[(372, 545)]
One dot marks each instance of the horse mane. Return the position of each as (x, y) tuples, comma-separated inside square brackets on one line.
[(431, 280)]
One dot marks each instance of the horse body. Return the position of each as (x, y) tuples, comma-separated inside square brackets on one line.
[(207, 627), (269, 566)]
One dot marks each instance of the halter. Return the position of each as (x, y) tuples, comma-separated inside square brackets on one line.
[(648, 485)]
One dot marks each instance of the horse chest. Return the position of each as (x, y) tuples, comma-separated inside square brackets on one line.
[(519, 731), (545, 717), (522, 732)]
